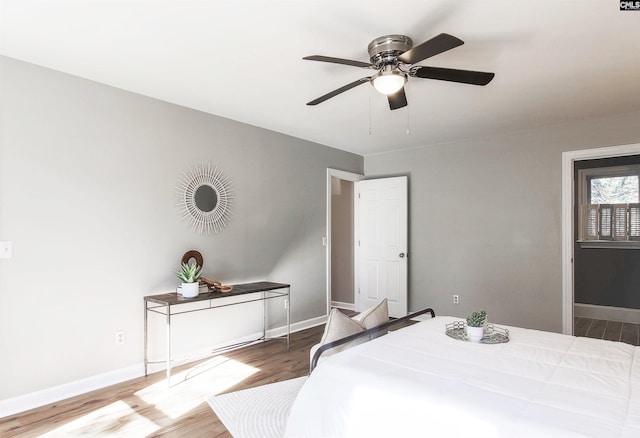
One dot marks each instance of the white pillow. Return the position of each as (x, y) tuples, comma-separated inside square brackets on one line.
[(338, 326), (374, 315)]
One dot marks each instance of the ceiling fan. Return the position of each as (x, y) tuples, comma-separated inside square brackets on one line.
[(393, 56)]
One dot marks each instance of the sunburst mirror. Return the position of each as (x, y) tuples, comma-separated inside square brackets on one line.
[(204, 198)]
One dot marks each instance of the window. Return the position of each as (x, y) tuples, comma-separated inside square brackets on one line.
[(613, 189), (610, 205)]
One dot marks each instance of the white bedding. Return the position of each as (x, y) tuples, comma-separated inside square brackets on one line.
[(417, 381)]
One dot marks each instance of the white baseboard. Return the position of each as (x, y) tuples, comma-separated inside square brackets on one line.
[(607, 312), (341, 305), (298, 326), (36, 399), (53, 394)]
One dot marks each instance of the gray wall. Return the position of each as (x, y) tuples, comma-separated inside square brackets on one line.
[(87, 191), (605, 277), (342, 241), (485, 218)]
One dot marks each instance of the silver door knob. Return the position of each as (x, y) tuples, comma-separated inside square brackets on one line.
[(401, 255)]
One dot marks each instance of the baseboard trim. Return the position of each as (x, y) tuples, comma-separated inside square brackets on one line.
[(36, 399), (53, 394), (341, 305), (607, 312), (298, 326)]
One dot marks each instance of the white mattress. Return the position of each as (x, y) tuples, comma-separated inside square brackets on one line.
[(419, 382)]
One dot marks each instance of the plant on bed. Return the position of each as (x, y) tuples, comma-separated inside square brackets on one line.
[(189, 274), (475, 325), (476, 319)]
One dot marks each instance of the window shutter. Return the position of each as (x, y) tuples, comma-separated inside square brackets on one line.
[(590, 231), (620, 222), (634, 221), (606, 222)]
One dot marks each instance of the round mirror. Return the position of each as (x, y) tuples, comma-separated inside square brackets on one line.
[(205, 198)]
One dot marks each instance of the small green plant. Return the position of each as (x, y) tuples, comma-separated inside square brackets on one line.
[(190, 273), (476, 319)]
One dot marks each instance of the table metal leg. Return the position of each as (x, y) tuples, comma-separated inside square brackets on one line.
[(169, 346), (288, 316), (146, 342), (264, 318)]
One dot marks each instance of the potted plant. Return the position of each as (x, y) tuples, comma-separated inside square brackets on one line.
[(190, 276), (475, 325)]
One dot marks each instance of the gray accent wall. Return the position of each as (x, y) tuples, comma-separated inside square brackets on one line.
[(87, 191), (485, 218)]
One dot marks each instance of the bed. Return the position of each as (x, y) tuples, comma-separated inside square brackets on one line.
[(417, 381)]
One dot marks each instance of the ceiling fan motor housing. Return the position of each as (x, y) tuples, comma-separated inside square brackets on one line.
[(385, 50)]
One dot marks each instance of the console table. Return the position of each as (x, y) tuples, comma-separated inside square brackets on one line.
[(169, 304)]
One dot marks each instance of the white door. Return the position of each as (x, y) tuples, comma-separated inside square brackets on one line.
[(382, 243)]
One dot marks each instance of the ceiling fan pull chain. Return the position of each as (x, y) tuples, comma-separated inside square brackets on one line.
[(408, 127), (408, 130), (369, 111)]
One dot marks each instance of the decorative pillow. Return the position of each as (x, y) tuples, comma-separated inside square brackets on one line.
[(374, 315), (338, 326)]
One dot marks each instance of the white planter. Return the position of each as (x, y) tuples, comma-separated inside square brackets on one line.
[(475, 333), (190, 290)]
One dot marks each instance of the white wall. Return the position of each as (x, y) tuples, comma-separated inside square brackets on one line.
[(485, 218), (87, 191)]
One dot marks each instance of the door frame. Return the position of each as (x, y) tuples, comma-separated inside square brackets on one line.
[(347, 176), (568, 159)]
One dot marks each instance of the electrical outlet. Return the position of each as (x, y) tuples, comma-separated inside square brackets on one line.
[(6, 249), (286, 304), (120, 338), (456, 299)]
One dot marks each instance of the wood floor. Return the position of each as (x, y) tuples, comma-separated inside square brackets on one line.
[(610, 330), (145, 407)]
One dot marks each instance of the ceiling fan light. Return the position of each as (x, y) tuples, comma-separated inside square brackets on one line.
[(389, 81)]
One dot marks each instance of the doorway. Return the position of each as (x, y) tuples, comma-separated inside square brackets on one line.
[(568, 220), (340, 239), (367, 240)]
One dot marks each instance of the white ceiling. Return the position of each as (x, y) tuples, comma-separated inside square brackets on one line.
[(555, 61)]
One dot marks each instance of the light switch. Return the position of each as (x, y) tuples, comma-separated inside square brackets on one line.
[(6, 249)]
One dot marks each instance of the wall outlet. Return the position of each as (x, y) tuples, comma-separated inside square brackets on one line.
[(120, 338), (286, 304), (6, 249), (456, 299)]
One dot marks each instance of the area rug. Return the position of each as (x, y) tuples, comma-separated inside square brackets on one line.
[(259, 412)]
